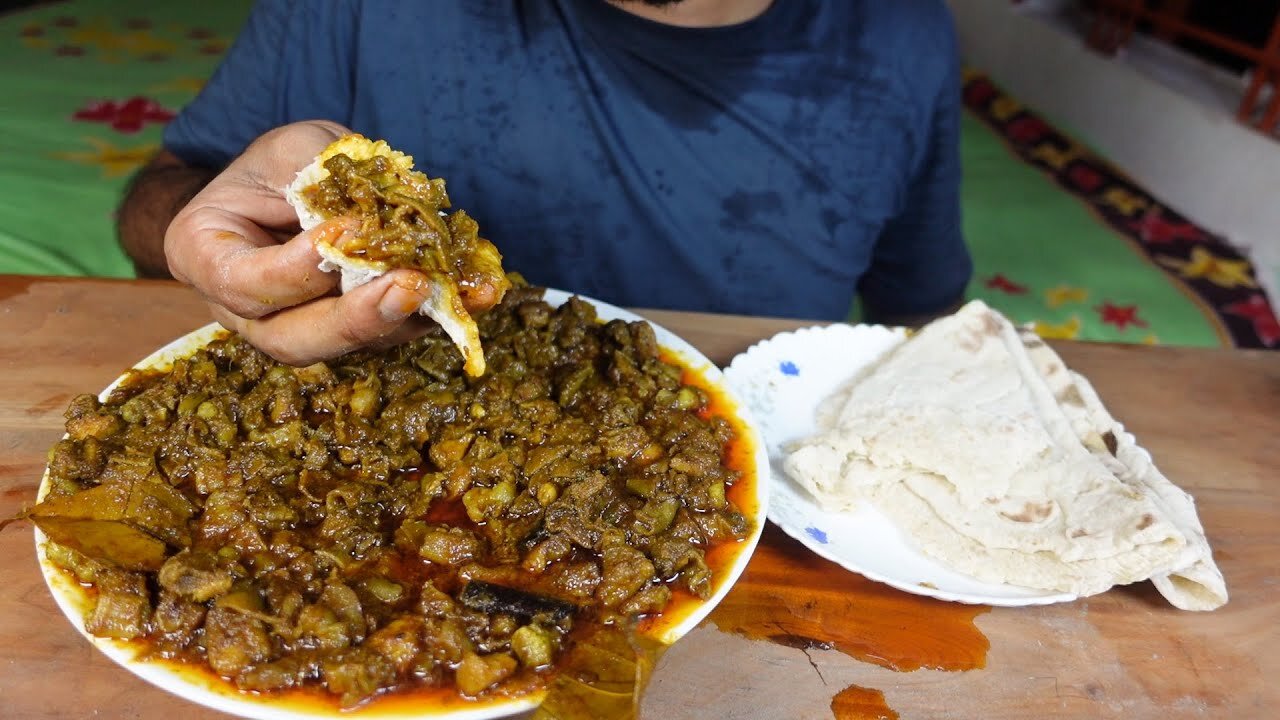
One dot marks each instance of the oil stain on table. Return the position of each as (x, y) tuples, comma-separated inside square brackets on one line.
[(790, 596)]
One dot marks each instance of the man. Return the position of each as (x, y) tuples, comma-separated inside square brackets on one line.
[(757, 156)]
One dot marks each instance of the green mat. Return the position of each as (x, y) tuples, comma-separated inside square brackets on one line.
[(122, 67), (1064, 239), (1040, 255), (97, 80)]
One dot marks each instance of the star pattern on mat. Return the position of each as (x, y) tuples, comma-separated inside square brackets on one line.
[(1160, 234), (1258, 311), (1063, 294), (127, 116), (114, 161), (113, 43), (1123, 201), (1218, 270), (1004, 285), (112, 39), (1055, 157), (1122, 316), (1154, 228), (1005, 107), (1069, 330)]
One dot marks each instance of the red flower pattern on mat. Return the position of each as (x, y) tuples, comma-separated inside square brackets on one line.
[(1154, 228), (978, 92), (1122, 316), (1027, 129), (128, 116), (1259, 312), (1085, 178), (1005, 285)]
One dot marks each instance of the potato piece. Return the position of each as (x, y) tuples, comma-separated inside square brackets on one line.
[(477, 673), (534, 645), (449, 546)]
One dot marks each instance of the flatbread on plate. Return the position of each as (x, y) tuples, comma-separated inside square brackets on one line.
[(994, 460)]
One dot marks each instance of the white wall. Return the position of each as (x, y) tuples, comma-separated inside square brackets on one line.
[(1196, 159)]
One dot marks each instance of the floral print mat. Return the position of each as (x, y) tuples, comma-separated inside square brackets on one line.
[(88, 85), (1062, 239)]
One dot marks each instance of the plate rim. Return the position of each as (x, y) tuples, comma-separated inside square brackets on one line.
[(779, 480), (227, 700)]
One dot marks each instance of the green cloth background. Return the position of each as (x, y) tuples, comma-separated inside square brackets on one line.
[(1021, 224), (56, 201)]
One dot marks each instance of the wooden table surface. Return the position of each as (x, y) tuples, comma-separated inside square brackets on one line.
[(1211, 418)]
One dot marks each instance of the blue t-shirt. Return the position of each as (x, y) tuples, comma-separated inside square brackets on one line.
[(772, 167)]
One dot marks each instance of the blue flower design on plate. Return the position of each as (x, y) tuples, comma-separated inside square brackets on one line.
[(817, 534), (788, 368)]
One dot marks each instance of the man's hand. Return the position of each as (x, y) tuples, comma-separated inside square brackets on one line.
[(235, 244)]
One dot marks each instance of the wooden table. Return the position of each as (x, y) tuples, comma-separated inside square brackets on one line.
[(1211, 418)]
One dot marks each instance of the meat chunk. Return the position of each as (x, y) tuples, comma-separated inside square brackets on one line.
[(477, 673), (234, 641), (626, 571), (123, 607), (194, 576)]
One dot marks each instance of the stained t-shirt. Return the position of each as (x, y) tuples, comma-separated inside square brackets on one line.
[(773, 167)]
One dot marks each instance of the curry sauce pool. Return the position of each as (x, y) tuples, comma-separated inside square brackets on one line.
[(313, 554)]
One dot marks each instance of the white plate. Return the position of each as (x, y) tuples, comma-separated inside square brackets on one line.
[(783, 380), (202, 688)]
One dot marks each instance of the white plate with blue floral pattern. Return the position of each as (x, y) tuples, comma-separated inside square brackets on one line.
[(783, 381)]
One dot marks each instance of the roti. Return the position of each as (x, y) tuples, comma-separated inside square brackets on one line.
[(465, 270), (959, 436)]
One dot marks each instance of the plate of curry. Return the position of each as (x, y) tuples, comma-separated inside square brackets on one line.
[(382, 536)]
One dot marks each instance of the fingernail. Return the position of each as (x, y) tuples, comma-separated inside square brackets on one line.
[(399, 302)]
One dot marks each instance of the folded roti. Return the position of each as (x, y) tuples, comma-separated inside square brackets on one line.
[(1194, 582), (958, 437), (411, 192)]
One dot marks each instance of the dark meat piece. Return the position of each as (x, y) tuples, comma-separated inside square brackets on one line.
[(176, 620), (489, 598)]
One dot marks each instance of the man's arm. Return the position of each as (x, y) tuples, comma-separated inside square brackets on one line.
[(154, 196)]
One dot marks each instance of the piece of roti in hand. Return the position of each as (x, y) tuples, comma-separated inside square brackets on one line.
[(994, 466), (402, 225)]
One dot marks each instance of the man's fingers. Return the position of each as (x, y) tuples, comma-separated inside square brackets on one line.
[(226, 244), (253, 185), (373, 314), (240, 266), (278, 155)]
